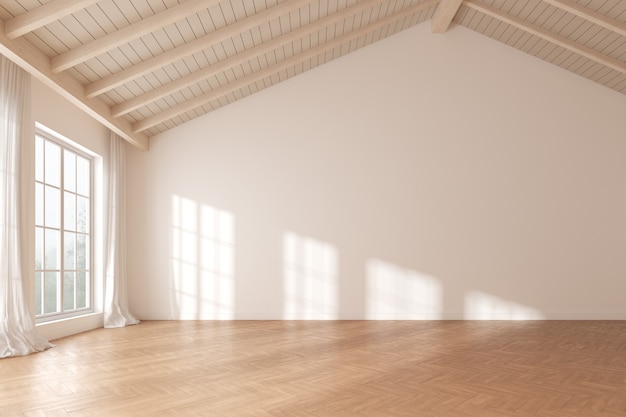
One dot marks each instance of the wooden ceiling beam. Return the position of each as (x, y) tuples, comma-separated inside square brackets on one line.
[(554, 38), (27, 56), (446, 10), (590, 15), (129, 33), (256, 51), (188, 105), (42, 15), (204, 42)]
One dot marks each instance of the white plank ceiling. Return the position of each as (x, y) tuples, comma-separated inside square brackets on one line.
[(144, 66)]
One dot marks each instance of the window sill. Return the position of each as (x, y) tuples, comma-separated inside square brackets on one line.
[(56, 329)]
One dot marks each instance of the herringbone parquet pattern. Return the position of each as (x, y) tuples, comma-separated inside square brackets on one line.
[(337, 368)]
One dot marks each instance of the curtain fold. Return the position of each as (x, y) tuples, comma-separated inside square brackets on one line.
[(116, 312), (18, 334)]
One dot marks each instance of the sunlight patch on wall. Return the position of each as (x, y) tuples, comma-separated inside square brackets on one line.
[(396, 293), (310, 281), (483, 306), (202, 261)]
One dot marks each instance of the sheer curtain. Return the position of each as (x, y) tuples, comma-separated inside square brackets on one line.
[(116, 313), (18, 335)]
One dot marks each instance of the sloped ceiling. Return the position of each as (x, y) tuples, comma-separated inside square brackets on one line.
[(144, 66)]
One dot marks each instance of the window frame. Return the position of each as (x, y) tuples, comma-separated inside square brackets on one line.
[(67, 144)]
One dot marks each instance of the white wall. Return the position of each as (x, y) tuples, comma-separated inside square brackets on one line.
[(426, 176), (56, 113)]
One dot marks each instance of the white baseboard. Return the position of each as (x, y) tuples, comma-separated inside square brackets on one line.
[(348, 316)]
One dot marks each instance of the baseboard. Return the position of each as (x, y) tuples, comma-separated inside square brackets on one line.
[(444, 316), (585, 316)]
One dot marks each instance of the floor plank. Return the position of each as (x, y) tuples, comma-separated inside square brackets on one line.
[(326, 368)]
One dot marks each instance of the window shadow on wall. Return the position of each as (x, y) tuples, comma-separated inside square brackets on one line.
[(202, 255), (483, 306), (310, 279), (397, 293)]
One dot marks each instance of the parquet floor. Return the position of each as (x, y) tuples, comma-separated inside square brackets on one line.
[(336, 368)]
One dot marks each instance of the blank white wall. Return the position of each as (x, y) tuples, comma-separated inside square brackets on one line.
[(425, 176)]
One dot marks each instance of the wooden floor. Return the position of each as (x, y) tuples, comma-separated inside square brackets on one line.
[(343, 368)]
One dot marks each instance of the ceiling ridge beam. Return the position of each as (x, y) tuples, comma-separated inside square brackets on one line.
[(590, 15), (27, 56), (127, 34), (226, 89), (261, 49), (42, 15), (549, 36), (121, 77), (446, 10)]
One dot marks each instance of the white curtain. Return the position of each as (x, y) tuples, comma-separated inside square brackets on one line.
[(18, 335), (116, 313)]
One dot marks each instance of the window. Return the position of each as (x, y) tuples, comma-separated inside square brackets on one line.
[(63, 239)]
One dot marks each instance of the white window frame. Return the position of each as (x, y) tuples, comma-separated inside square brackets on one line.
[(65, 143)]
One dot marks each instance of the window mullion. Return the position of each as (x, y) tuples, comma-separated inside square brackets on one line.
[(43, 231), (62, 231), (88, 264), (42, 276)]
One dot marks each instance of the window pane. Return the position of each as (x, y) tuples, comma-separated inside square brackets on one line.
[(81, 289), (69, 211), (69, 159), (50, 291), (38, 159), (82, 221), (82, 176), (38, 248), (68, 291), (52, 207), (38, 293), (82, 252), (51, 254), (52, 163), (39, 204), (69, 251)]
